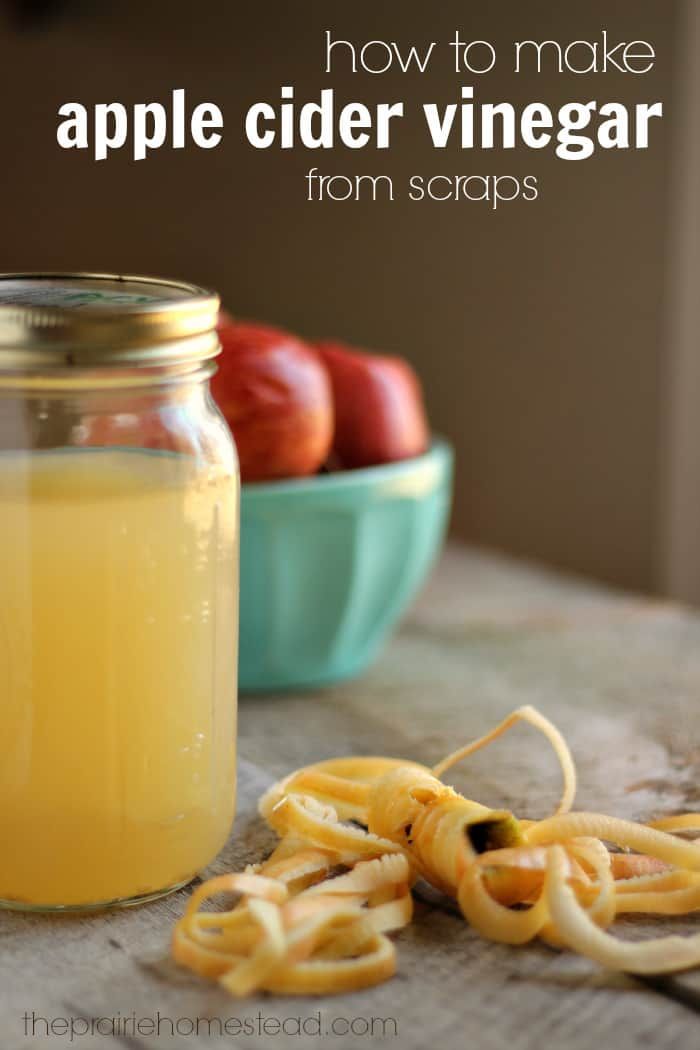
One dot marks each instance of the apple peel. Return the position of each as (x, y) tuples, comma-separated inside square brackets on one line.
[(355, 834)]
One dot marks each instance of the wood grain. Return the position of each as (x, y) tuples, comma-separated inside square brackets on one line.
[(620, 676)]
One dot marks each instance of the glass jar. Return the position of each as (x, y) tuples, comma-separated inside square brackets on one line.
[(119, 498)]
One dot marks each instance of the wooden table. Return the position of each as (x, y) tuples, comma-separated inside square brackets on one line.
[(619, 675)]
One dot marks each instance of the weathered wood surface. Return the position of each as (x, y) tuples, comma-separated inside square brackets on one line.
[(620, 676)]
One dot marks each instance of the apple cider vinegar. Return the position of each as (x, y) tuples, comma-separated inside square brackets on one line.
[(118, 618), (116, 645)]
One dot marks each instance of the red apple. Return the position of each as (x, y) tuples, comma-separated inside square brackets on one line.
[(276, 397), (379, 413)]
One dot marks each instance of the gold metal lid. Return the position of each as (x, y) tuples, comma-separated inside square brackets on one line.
[(93, 320)]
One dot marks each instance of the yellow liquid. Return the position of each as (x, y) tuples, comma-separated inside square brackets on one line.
[(118, 646)]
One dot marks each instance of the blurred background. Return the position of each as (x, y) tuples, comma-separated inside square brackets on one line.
[(556, 340)]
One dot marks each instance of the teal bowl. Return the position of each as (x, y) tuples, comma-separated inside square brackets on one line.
[(329, 564)]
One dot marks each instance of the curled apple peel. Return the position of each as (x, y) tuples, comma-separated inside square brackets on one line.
[(355, 834)]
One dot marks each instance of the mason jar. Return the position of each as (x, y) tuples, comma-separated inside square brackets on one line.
[(119, 493)]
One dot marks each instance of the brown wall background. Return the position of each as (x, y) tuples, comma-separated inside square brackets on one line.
[(537, 329)]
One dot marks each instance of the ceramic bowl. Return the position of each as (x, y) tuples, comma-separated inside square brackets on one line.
[(330, 563)]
